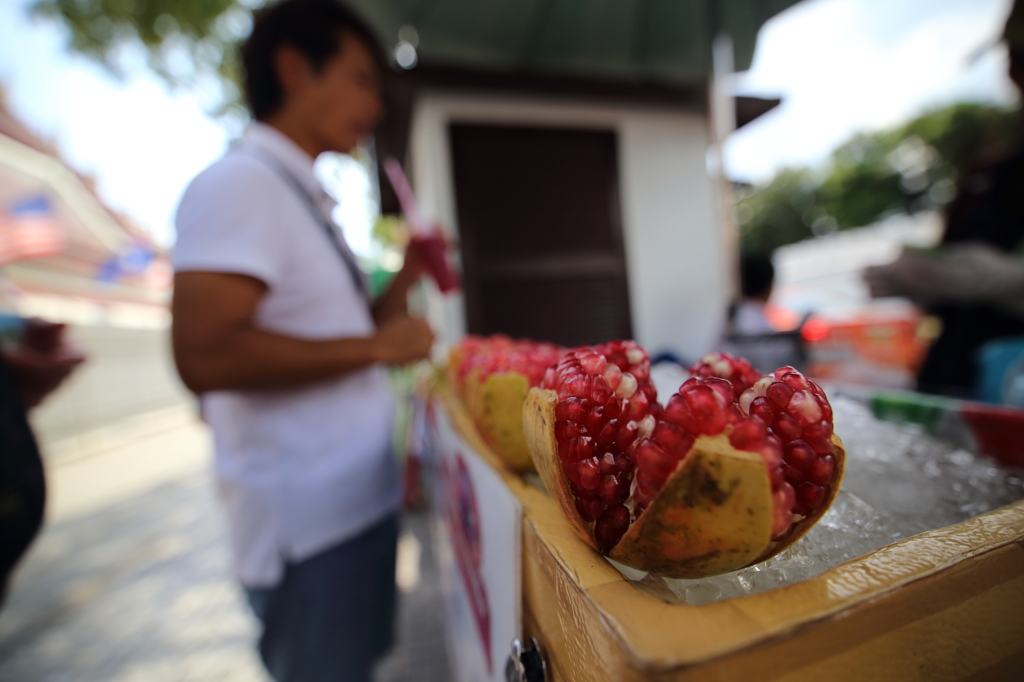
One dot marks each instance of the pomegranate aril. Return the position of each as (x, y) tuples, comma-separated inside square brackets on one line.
[(589, 473), (822, 470), (613, 408), (779, 394), (708, 415), (589, 507), (672, 438), (748, 434), (571, 409), (608, 433), (582, 447), (624, 463), (627, 386), (760, 408), (566, 430), (803, 407), (819, 437), (627, 434), (799, 455), (736, 371), (786, 428), (678, 412), (611, 526), (613, 376), (595, 419), (593, 363), (608, 465), (792, 474), (809, 496), (611, 491), (782, 371), (653, 460), (784, 499)]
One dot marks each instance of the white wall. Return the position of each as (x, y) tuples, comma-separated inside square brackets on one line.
[(674, 254)]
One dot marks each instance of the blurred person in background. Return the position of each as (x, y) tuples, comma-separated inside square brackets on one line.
[(274, 328), (974, 283), (29, 371), (757, 277)]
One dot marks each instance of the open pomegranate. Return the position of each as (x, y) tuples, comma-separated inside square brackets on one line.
[(715, 480), (492, 375)]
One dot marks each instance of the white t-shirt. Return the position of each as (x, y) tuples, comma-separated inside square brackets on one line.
[(305, 468)]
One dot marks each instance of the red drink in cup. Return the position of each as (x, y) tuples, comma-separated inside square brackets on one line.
[(433, 247), (430, 243)]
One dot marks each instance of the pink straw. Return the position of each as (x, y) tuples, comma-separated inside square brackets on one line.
[(406, 198)]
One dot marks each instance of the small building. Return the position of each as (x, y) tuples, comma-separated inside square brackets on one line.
[(565, 145)]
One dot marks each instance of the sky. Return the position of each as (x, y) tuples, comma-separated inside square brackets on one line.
[(840, 66)]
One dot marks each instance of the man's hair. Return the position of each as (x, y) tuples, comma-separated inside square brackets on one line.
[(757, 274), (316, 28)]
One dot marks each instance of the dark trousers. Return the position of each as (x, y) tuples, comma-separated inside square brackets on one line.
[(331, 616)]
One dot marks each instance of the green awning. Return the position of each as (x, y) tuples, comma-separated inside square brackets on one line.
[(655, 41)]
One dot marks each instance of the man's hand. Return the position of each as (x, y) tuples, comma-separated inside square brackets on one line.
[(404, 340), (40, 367)]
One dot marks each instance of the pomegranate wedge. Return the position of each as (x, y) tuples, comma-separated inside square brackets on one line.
[(713, 481), (492, 375)]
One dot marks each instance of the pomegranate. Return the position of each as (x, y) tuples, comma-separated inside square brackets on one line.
[(740, 373), (715, 480), (492, 376), (601, 409)]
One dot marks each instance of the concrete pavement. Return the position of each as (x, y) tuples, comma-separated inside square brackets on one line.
[(129, 580)]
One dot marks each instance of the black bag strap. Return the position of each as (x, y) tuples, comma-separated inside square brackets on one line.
[(328, 227)]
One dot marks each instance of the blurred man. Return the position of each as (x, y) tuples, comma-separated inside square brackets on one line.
[(757, 277), (274, 328), (29, 371), (975, 282)]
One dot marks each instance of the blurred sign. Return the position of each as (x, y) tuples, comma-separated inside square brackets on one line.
[(478, 522), (29, 229), (132, 261)]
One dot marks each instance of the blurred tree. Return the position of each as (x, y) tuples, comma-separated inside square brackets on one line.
[(908, 169), (187, 42)]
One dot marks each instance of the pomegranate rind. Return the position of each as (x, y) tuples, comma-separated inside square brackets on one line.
[(496, 405), (713, 515), (539, 428)]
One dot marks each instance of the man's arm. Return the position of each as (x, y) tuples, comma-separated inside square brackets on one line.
[(218, 347)]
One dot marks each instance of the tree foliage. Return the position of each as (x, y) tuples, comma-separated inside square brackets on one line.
[(185, 41), (911, 168)]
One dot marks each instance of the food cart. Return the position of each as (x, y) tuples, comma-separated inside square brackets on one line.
[(943, 604)]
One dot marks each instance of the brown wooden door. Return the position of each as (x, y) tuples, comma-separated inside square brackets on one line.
[(541, 233)]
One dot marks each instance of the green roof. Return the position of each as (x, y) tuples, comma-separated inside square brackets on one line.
[(656, 41)]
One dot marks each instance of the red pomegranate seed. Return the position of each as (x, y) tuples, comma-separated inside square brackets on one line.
[(589, 473), (654, 461), (822, 470), (786, 428), (672, 438), (809, 495), (590, 507), (611, 526), (779, 393), (737, 371), (799, 454), (611, 491)]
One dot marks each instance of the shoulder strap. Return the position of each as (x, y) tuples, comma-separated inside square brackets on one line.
[(328, 227)]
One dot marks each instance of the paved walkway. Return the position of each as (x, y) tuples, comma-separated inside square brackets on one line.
[(129, 581)]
